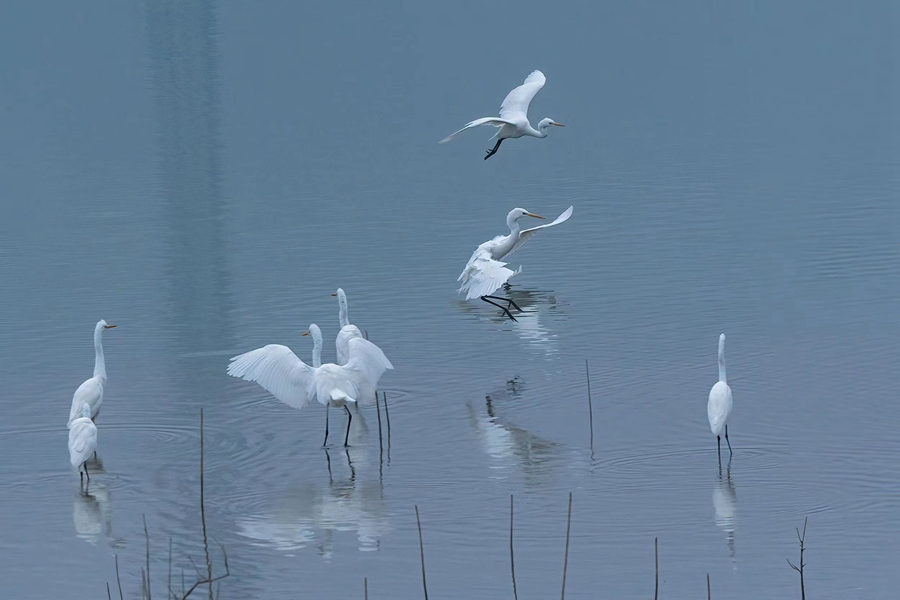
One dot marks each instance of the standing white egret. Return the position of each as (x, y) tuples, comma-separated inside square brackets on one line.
[(718, 409), (484, 273), (82, 441), (278, 370), (347, 332), (513, 121), (91, 391)]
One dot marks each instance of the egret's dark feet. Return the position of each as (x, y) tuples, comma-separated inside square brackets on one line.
[(493, 150)]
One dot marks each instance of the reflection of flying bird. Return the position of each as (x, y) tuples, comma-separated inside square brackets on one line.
[(513, 121), (82, 442), (91, 391), (485, 273), (278, 370), (347, 332), (718, 408)]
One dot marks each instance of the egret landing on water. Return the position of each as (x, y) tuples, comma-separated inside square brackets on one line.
[(278, 370), (485, 274), (718, 409), (82, 441), (91, 391), (513, 121)]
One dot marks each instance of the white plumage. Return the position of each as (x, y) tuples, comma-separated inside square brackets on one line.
[(277, 369), (347, 332), (485, 272), (720, 403), (82, 440), (513, 121), (91, 391)]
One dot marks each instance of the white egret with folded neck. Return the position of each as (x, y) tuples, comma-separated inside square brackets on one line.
[(91, 391), (513, 120), (485, 273)]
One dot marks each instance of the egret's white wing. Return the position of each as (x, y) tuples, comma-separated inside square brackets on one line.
[(342, 343), (484, 276), (515, 105), (492, 121), (91, 393), (277, 369), (366, 366), (527, 234), (82, 440)]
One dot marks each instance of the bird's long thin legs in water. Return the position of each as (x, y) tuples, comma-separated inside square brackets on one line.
[(325, 443), (505, 309), (719, 449), (728, 442), (349, 420), (493, 150)]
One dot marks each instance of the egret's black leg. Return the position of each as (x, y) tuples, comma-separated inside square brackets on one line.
[(493, 150), (326, 426), (506, 286), (503, 308), (81, 479), (328, 463), (729, 443), (349, 420), (719, 449), (509, 302)]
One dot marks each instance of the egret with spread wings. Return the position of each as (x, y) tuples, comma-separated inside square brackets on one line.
[(513, 120), (278, 370), (485, 273)]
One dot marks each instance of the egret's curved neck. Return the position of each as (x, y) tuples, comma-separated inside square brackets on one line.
[(99, 361), (342, 302), (540, 132), (722, 377), (317, 348), (503, 249)]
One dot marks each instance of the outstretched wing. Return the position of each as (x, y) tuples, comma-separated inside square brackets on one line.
[(492, 121), (527, 234), (277, 369), (366, 366), (483, 277), (515, 105)]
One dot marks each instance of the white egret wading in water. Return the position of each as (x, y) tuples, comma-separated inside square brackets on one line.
[(347, 332), (82, 441), (484, 273), (718, 409), (513, 120), (278, 370), (91, 391)]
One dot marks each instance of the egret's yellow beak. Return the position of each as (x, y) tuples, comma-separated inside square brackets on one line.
[(535, 216), (558, 124), (108, 326), (305, 334), (334, 294)]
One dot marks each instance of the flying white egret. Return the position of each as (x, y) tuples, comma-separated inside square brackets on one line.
[(718, 409), (484, 273), (347, 332), (82, 441), (513, 120), (91, 391), (278, 370)]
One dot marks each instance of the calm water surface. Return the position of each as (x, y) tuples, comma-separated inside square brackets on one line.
[(205, 174)]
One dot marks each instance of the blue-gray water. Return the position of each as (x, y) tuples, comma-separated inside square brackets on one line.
[(205, 174)]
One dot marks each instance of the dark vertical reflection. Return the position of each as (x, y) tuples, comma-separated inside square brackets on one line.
[(184, 69)]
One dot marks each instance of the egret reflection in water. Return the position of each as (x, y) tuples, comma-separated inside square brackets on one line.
[(509, 446), (312, 514), (537, 307), (725, 505), (92, 515)]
